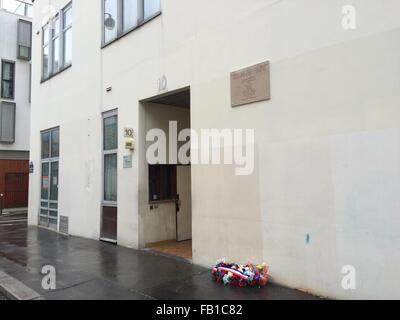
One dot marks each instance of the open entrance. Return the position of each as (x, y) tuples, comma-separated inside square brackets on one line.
[(166, 196)]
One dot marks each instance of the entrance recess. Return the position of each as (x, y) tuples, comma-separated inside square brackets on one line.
[(166, 197)]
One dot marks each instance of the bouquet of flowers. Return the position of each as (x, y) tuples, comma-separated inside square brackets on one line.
[(248, 275)]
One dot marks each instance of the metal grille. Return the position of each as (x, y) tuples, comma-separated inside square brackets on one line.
[(64, 224)]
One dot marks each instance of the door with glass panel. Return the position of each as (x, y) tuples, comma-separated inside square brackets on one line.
[(48, 216), (110, 155)]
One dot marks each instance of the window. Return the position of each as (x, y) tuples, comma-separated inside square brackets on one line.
[(7, 122), (151, 7), (110, 177), (45, 49), (17, 7), (57, 43), (110, 160), (162, 182), (110, 19), (130, 14), (122, 16), (48, 215), (7, 79), (67, 35), (24, 39), (110, 128), (29, 10)]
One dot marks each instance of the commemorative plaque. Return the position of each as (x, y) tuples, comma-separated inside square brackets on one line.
[(250, 84)]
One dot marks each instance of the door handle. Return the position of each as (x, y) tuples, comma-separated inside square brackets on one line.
[(177, 203)]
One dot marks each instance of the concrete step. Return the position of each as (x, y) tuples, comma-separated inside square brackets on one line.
[(15, 211)]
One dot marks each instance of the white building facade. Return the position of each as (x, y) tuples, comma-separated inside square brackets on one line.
[(15, 56), (323, 194)]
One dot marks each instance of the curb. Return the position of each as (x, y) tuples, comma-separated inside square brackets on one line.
[(14, 289), (15, 213)]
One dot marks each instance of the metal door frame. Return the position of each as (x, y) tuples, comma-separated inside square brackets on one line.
[(178, 202), (50, 205)]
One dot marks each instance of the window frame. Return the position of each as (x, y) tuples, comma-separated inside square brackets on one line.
[(1, 120), (20, 21), (63, 30), (163, 170), (44, 45), (3, 61), (61, 57), (49, 160), (53, 38), (105, 115), (26, 6), (119, 25), (28, 10)]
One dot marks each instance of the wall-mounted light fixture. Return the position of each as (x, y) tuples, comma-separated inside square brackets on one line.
[(109, 22)]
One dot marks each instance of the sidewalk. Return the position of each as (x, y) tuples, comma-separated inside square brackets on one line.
[(88, 269)]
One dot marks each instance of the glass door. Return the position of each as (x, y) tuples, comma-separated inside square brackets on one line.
[(109, 221), (49, 179)]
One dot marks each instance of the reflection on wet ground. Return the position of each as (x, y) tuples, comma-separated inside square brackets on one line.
[(90, 269)]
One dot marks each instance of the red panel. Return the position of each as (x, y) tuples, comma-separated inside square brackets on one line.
[(14, 180), (16, 194), (109, 229)]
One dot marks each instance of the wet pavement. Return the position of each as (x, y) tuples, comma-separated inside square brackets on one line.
[(89, 269)]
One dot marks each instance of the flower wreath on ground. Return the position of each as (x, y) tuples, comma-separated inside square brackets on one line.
[(248, 275)]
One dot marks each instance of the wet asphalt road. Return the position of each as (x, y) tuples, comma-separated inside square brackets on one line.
[(11, 221), (94, 270)]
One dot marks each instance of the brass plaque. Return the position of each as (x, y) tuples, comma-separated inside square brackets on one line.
[(250, 85)]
